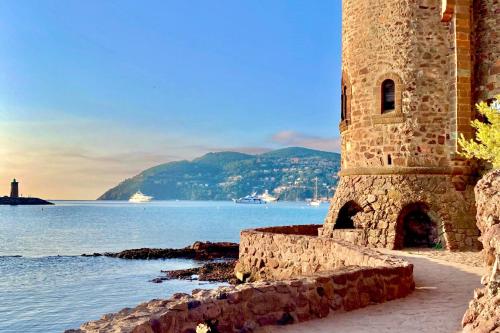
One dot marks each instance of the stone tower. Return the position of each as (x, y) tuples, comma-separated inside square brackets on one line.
[(407, 93), (14, 189)]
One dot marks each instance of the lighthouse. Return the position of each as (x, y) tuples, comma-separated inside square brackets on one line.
[(14, 189)]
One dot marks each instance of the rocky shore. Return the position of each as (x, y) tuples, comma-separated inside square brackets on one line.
[(197, 251), (248, 306), (220, 271), (212, 271)]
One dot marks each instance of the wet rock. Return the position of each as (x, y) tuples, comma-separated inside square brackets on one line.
[(158, 280), (197, 251), (212, 271)]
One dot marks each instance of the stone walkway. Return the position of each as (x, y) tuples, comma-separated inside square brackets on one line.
[(443, 291)]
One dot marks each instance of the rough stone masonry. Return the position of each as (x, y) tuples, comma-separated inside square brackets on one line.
[(345, 278), (483, 314), (411, 74)]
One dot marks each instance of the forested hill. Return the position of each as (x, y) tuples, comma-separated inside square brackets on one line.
[(288, 173)]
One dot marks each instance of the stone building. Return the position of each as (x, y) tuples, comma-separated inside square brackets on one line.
[(412, 73)]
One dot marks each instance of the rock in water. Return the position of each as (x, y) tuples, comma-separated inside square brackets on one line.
[(197, 251), (213, 271)]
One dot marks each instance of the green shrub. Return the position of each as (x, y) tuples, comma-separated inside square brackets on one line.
[(486, 144)]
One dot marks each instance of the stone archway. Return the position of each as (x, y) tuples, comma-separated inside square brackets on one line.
[(417, 227), (346, 214)]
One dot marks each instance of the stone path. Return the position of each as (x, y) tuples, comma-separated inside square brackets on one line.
[(443, 291)]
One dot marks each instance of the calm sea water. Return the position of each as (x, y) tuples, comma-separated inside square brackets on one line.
[(46, 286)]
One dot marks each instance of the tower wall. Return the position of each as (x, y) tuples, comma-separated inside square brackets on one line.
[(487, 54), (404, 41), (406, 156)]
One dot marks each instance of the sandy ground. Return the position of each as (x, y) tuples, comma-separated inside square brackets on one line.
[(444, 285)]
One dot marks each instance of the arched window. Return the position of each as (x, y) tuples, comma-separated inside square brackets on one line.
[(388, 96), (344, 103)]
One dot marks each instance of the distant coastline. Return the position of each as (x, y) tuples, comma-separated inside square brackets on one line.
[(288, 174)]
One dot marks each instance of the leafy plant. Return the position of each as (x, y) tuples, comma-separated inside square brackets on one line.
[(486, 145)]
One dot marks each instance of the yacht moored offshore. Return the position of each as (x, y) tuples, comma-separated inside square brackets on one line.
[(140, 197), (250, 199)]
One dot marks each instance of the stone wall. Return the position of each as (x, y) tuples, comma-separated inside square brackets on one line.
[(285, 252), (383, 198), (245, 307), (487, 59), (483, 314), (354, 277)]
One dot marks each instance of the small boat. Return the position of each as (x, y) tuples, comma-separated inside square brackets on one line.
[(315, 202), (268, 198), (139, 197), (250, 199)]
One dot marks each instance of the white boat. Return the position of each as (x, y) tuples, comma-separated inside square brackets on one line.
[(140, 197), (250, 199), (268, 197), (315, 202)]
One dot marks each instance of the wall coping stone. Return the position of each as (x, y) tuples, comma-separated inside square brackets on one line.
[(394, 170)]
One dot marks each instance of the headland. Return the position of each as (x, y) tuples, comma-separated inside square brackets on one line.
[(23, 201)]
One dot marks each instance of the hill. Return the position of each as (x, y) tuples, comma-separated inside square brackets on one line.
[(288, 173)]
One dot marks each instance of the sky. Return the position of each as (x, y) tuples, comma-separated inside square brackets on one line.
[(95, 91)]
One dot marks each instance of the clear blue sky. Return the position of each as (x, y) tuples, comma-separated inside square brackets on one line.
[(99, 90)]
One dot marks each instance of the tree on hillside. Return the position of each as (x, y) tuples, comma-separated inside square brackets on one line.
[(486, 144)]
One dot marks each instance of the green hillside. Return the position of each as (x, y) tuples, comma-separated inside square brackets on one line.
[(288, 173)]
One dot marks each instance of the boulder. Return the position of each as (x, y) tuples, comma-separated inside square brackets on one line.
[(483, 314)]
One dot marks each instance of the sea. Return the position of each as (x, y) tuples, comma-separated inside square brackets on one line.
[(47, 286)]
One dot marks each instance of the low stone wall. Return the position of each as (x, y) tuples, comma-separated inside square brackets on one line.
[(246, 307), (340, 276), (483, 314), (284, 252)]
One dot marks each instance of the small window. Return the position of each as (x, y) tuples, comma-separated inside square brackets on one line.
[(388, 96), (389, 159), (342, 108), (344, 103)]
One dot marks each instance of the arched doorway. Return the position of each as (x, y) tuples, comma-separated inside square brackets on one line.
[(346, 213), (416, 227)]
